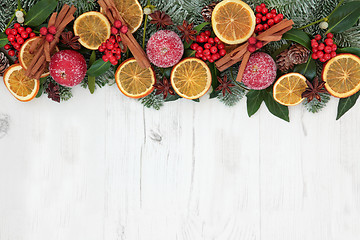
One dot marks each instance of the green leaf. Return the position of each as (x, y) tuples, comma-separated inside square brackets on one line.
[(198, 28), (171, 98), (345, 104), (215, 83), (41, 88), (189, 53), (3, 40), (298, 36), (351, 50), (307, 69), (40, 12), (276, 108), (98, 68), (254, 100), (91, 79), (344, 17), (196, 100)]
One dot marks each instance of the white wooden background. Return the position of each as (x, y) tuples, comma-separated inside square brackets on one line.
[(103, 167)]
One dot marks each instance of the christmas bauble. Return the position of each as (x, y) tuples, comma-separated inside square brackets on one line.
[(165, 49), (68, 68)]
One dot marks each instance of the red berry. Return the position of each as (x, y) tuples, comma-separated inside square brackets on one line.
[(24, 35), (266, 27), (197, 55), (329, 41), (43, 31), (259, 15), (211, 41), (49, 38), (11, 53), (206, 52), (124, 29), (259, 44), (322, 59), (112, 40), (271, 22), (327, 56), (201, 39), (320, 54), (251, 48), (7, 47), (109, 46), (16, 45), (221, 46), (216, 39), (318, 37), (314, 56), (258, 9), (206, 38), (21, 29), (330, 35), (280, 16), (207, 46), (28, 30), (17, 25), (211, 60), (264, 10), (259, 28), (117, 24), (105, 58), (108, 53), (222, 52), (194, 46), (32, 35), (263, 5), (321, 46), (201, 55), (333, 54), (202, 34), (315, 50), (213, 49), (118, 38), (199, 49), (252, 40), (207, 33), (20, 40), (273, 15), (52, 30), (8, 31), (268, 15), (328, 49), (258, 20), (118, 56), (101, 49), (264, 19), (277, 19), (114, 30), (118, 51), (217, 56), (273, 11), (333, 48), (11, 37), (14, 32), (113, 50)]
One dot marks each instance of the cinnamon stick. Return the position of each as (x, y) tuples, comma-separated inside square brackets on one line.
[(243, 66)]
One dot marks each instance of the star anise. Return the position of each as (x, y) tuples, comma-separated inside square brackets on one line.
[(225, 85), (188, 32), (161, 19), (314, 89), (164, 88), (70, 40), (53, 91)]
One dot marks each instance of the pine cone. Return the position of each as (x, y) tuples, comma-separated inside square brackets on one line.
[(4, 63), (283, 62), (206, 12), (298, 54)]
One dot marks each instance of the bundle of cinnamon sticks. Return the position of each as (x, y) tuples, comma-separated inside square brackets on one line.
[(128, 39), (42, 53), (241, 53)]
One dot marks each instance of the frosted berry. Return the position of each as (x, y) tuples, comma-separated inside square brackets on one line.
[(124, 29), (43, 31), (252, 40), (259, 44), (52, 30), (117, 24), (323, 25), (260, 71), (114, 31), (49, 38), (251, 48)]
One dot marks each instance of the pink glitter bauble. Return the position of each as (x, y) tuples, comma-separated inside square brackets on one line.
[(165, 49), (68, 68), (260, 71)]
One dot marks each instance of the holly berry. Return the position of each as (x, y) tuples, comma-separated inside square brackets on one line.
[(7, 47), (11, 38), (43, 31), (252, 40), (124, 29), (259, 44), (328, 49), (222, 52), (207, 46), (8, 31), (330, 35), (117, 24), (52, 30), (32, 35), (11, 53), (251, 48), (318, 37), (211, 41), (329, 41), (49, 38), (28, 30), (114, 30), (221, 46), (321, 46), (213, 49)]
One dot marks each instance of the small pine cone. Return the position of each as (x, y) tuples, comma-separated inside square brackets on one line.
[(4, 63), (298, 54), (206, 12), (283, 62)]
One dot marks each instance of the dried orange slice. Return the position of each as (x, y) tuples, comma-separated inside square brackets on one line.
[(191, 78), (289, 88), (134, 81), (233, 21), (93, 28), (131, 11), (342, 75), (21, 87), (25, 57)]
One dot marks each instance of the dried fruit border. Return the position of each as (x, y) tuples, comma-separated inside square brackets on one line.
[(298, 50)]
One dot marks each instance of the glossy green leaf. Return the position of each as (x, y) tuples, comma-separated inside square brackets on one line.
[(40, 12), (344, 17), (254, 101), (198, 28), (171, 98), (307, 69), (98, 68), (345, 104), (189, 53), (298, 36), (3, 40), (276, 108), (352, 50), (91, 79), (215, 83), (41, 88)]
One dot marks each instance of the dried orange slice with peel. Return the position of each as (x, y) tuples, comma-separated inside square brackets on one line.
[(25, 57), (233, 21), (93, 28), (134, 81), (131, 11), (342, 75), (20, 86), (191, 78), (289, 88)]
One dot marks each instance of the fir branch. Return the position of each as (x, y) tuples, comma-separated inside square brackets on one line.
[(315, 106), (153, 101)]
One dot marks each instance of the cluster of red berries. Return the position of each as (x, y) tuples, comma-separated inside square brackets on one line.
[(111, 48), (266, 18), (49, 33), (254, 44), (208, 48), (323, 51), (17, 36)]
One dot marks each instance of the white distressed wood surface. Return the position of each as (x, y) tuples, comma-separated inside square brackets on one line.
[(103, 167)]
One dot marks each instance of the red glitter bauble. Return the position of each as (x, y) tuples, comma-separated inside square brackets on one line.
[(68, 68), (165, 49), (260, 71)]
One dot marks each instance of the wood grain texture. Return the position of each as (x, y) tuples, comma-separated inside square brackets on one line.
[(103, 167)]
